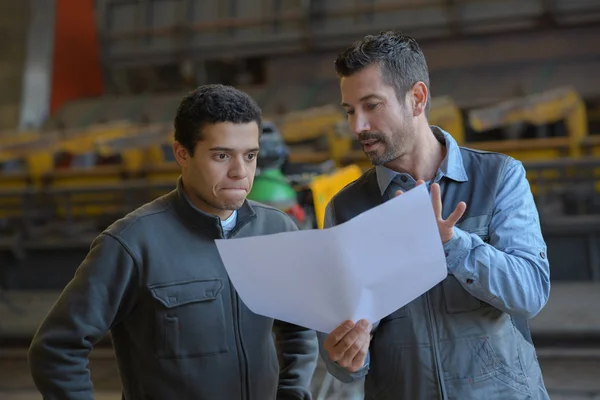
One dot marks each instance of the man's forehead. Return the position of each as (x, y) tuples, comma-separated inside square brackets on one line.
[(229, 143), (232, 127), (360, 87), (227, 132)]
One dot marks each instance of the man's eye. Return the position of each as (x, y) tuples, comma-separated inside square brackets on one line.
[(222, 156), (349, 112), (251, 156), (371, 106)]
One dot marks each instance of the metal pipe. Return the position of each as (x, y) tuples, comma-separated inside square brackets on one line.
[(299, 16), (288, 16)]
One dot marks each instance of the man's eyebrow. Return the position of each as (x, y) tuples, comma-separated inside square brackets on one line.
[(220, 148), (367, 97), (229, 149)]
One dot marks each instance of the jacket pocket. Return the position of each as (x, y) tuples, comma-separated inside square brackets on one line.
[(190, 319), (457, 299), (474, 369)]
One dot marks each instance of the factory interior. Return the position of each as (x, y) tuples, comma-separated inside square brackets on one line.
[(89, 90)]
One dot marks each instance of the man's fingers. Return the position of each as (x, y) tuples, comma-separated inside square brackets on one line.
[(346, 354), (399, 192), (349, 340), (359, 359), (456, 214), (436, 200), (361, 337), (350, 344), (347, 344), (338, 333)]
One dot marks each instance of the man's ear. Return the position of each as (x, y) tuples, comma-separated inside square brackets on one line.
[(182, 155), (419, 98)]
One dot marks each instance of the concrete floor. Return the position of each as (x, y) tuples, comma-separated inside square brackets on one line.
[(569, 375)]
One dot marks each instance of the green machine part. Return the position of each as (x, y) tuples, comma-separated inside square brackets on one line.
[(272, 188)]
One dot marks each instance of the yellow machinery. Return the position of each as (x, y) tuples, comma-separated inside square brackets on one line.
[(307, 125), (58, 163), (23, 160), (590, 146), (44, 156), (557, 119), (21, 169), (324, 187), (446, 114), (136, 151), (307, 132), (544, 112), (103, 160)]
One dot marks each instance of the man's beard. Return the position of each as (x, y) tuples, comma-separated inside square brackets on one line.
[(229, 205), (390, 152)]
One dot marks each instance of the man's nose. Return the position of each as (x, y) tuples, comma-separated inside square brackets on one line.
[(238, 169), (360, 124)]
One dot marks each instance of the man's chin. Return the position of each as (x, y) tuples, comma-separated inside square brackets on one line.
[(233, 204), (375, 158)]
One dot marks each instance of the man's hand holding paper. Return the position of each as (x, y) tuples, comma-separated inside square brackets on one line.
[(348, 344)]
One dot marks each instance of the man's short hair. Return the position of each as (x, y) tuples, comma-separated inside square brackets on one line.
[(212, 104), (399, 56)]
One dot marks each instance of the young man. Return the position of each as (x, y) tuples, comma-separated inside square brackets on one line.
[(468, 337), (156, 281)]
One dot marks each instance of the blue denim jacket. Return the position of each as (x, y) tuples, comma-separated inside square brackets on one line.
[(467, 337)]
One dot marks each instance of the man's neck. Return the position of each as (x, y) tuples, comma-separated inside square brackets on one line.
[(425, 158)]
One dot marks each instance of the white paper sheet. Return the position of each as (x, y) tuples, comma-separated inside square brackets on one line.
[(366, 268)]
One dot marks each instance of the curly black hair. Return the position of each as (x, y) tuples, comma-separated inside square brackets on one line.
[(211, 104), (399, 56)]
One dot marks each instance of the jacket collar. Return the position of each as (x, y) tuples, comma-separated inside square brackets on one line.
[(200, 219), (451, 167)]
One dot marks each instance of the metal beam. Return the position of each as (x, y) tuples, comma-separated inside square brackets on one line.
[(295, 16), (310, 36)]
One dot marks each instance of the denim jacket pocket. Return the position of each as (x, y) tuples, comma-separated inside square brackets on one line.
[(473, 369), (190, 320)]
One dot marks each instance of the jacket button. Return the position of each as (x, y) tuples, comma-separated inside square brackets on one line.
[(469, 281)]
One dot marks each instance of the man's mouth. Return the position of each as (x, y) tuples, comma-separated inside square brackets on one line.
[(369, 144), (235, 189)]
